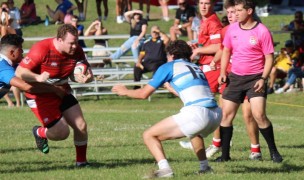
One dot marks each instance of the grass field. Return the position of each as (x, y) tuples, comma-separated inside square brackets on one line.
[(115, 125)]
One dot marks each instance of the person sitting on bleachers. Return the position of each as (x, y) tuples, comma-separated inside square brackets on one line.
[(96, 28), (297, 28), (293, 74), (64, 7), (138, 29), (28, 13), (282, 64), (183, 21), (152, 54)]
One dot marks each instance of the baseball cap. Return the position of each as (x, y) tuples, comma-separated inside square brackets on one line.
[(289, 43)]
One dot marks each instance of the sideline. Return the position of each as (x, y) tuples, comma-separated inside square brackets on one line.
[(284, 104)]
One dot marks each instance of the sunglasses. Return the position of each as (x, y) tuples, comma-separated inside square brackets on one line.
[(182, 4)]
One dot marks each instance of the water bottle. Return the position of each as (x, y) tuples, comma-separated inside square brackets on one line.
[(46, 22), (282, 25)]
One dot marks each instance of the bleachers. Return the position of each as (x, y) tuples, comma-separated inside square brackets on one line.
[(121, 70)]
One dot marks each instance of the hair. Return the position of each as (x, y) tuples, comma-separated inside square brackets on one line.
[(179, 49), (247, 4), (11, 40), (132, 21), (299, 13), (228, 4), (63, 30)]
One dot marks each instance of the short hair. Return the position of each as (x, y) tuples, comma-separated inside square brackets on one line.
[(229, 3), (63, 30), (247, 4), (12, 40), (179, 49)]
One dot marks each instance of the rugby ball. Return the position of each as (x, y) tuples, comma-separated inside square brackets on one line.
[(80, 68)]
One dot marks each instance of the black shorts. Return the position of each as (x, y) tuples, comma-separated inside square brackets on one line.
[(238, 87)]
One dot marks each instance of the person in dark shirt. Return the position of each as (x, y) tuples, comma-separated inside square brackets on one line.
[(138, 29), (152, 54), (183, 21)]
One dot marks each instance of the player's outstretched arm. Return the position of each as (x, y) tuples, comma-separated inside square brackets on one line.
[(28, 76), (142, 93), (37, 87)]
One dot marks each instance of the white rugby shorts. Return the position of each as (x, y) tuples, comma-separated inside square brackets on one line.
[(197, 120)]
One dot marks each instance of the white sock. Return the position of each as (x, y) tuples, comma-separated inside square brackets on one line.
[(203, 165), (163, 164), (255, 145)]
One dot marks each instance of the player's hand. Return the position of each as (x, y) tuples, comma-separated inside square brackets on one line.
[(212, 65), (43, 77), (259, 86), (119, 89), (194, 54), (222, 79), (82, 78), (138, 64)]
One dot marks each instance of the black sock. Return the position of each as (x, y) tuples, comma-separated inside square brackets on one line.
[(226, 135), (269, 137)]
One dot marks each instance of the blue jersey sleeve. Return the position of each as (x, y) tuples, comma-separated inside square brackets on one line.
[(163, 74)]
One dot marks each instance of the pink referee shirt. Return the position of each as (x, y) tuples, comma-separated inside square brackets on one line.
[(249, 48)]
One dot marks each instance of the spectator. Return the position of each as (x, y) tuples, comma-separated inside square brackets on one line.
[(293, 74), (183, 21), (96, 28), (14, 17), (282, 64), (121, 6), (106, 9), (64, 7), (141, 7), (195, 27), (297, 26), (138, 29), (199, 117), (152, 54), (165, 10), (5, 23), (81, 10), (28, 13), (16, 93), (73, 20)]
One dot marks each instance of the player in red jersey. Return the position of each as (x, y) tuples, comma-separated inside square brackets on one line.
[(210, 40), (52, 61)]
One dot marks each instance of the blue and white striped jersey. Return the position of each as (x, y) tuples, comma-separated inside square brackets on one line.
[(7, 72), (187, 80)]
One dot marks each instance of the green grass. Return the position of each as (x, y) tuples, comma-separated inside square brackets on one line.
[(115, 126)]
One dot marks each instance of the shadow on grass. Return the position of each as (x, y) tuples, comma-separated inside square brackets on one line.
[(45, 166), (284, 168), (18, 150), (299, 146)]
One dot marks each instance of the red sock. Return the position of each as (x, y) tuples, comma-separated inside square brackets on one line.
[(81, 153), (216, 142), (255, 148), (41, 131)]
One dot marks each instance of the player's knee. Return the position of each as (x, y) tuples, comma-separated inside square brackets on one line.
[(146, 136), (82, 127), (63, 134)]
